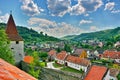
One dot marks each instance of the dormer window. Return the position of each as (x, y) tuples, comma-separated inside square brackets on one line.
[(17, 42)]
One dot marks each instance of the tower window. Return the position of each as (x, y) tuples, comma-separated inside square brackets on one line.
[(12, 48), (17, 42)]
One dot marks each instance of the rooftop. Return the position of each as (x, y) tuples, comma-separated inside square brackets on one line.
[(111, 54), (52, 52), (62, 55), (96, 73), (78, 60), (11, 30), (10, 72)]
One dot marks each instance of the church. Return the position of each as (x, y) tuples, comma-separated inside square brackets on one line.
[(16, 41)]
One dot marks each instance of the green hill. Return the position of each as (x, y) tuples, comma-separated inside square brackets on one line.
[(30, 35), (100, 35)]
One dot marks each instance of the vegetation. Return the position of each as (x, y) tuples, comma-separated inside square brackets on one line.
[(57, 65), (71, 70), (111, 34), (33, 71), (67, 48), (5, 51), (118, 76)]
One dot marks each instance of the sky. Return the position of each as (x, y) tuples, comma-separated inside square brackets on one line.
[(59, 18)]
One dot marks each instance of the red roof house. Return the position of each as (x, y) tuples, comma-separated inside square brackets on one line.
[(10, 72), (111, 54), (60, 57), (77, 63), (51, 55), (96, 73)]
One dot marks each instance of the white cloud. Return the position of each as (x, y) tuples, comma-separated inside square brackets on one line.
[(58, 7), (30, 8), (91, 5), (53, 28), (93, 28), (115, 11), (109, 6), (85, 6), (86, 15), (4, 18), (77, 9), (61, 7), (85, 21)]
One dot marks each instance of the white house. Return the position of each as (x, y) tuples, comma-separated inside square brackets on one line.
[(60, 57), (111, 74), (77, 63), (16, 41)]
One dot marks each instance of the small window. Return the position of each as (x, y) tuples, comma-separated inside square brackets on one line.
[(12, 48), (17, 42)]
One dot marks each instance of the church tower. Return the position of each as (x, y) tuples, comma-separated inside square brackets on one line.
[(16, 41)]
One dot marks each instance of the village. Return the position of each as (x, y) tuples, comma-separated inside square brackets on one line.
[(102, 64)]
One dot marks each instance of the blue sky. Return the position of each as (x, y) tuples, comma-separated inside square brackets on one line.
[(63, 17)]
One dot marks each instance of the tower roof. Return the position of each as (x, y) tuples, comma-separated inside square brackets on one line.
[(11, 30)]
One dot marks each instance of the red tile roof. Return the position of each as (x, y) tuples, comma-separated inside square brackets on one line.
[(111, 54), (52, 52), (11, 30), (28, 59), (96, 73), (10, 72), (62, 55), (78, 60)]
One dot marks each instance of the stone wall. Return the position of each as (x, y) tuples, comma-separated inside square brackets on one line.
[(50, 74)]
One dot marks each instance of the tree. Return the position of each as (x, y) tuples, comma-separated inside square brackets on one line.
[(118, 76), (5, 51), (33, 71), (67, 48)]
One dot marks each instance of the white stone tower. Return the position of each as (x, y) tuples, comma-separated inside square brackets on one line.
[(16, 41)]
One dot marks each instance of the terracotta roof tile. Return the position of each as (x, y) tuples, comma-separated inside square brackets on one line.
[(28, 59), (62, 55), (10, 72), (111, 54), (52, 52), (11, 30), (96, 73), (78, 60)]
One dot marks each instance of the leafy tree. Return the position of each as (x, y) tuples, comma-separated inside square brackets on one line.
[(33, 71), (118, 76), (67, 48), (5, 51), (43, 55)]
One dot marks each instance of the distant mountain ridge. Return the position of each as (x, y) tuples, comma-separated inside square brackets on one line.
[(30, 35), (100, 35)]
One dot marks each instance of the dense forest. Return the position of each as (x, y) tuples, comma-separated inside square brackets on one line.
[(99, 35)]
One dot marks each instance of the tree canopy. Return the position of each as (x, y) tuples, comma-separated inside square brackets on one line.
[(5, 51)]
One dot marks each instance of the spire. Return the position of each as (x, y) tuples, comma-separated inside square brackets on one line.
[(11, 27), (11, 30)]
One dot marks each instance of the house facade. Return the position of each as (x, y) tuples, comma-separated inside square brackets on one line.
[(16, 41), (77, 63)]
